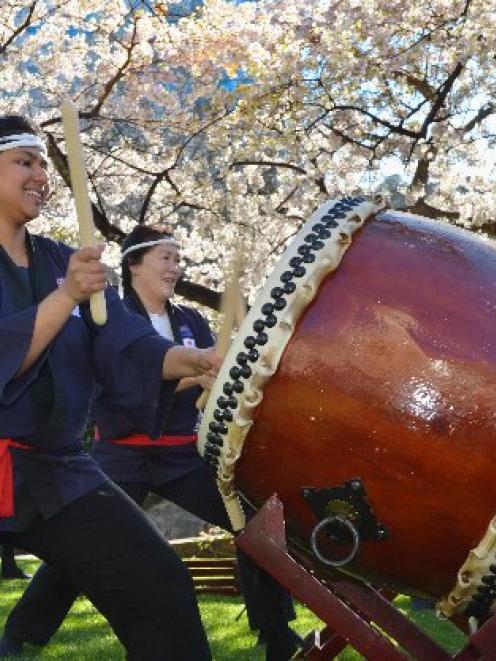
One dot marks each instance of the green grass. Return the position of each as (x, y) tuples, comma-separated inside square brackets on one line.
[(85, 635)]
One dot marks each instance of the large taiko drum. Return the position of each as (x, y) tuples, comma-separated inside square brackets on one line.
[(361, 389)]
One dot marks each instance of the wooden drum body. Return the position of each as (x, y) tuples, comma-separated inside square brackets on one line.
[(387, 377)]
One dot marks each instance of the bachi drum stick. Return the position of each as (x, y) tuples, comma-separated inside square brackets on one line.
[(79, 185), (230, 308)]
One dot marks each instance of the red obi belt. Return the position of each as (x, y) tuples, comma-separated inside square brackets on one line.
[(7, 476), (146, 441)]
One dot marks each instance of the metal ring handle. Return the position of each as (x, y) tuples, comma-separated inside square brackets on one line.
[(354, 534)]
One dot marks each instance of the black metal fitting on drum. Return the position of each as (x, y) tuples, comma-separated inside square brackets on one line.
[(336, 521)]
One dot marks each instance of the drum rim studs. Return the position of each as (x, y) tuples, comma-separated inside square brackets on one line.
[(295, 273)]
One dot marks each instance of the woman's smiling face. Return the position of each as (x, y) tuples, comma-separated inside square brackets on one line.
[(158, 271), (24, 184)]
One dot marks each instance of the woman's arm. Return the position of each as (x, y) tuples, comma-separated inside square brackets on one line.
[(85, 275), (182, 362), (205, 381)]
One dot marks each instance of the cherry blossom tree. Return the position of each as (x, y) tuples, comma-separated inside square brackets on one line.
[(231, 122)]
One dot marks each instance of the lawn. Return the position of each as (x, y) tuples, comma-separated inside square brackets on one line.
[(85, 635)]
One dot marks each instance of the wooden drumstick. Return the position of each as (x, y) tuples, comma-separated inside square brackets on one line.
[(240, 312), (79, 185), (229, 307)]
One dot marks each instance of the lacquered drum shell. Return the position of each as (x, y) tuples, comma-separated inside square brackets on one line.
[(390, 377)]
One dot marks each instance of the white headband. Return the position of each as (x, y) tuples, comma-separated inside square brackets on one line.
[(147, 244), (18, 140)]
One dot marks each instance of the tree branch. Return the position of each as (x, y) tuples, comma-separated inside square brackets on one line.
[(23, 26), (421, 176), (484, 112), (422, 86), (422, 208), (110, 84), (394, 128), (443, 92), (276, 164), (199, 294), (149, 194), (280, 206)]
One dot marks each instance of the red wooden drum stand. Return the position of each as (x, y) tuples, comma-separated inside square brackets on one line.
[(355, 613)]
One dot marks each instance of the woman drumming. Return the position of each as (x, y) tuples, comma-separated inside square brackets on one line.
[(169, 466), (55, 501)]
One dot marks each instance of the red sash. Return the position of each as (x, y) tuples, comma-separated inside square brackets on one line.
[(144, 440), (7, 476)]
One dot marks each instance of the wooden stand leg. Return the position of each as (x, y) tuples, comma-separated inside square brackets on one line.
[(351, 610)]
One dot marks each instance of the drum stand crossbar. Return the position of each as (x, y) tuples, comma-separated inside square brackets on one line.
[(354, 613)]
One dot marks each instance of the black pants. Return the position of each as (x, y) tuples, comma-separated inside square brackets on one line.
[(103, 546), (50, 595), (8, 558)]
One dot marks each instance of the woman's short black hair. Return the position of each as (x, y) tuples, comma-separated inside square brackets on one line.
[(14, 124), (140, 234)]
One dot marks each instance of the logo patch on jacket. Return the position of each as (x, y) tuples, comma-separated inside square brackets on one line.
[(187, 336)]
